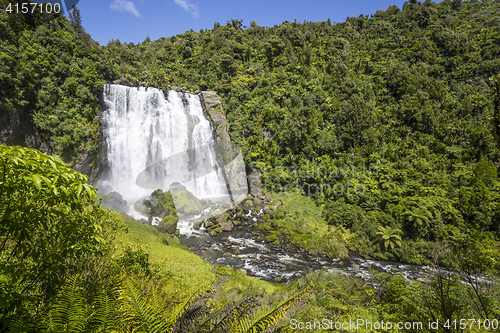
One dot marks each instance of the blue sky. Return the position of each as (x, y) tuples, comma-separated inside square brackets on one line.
[(133, 20)]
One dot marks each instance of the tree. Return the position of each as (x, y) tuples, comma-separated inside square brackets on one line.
[(390, 238), (50, 220), (418, 217)]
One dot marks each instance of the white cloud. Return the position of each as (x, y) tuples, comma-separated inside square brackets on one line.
[(189, 7), (125, 6)]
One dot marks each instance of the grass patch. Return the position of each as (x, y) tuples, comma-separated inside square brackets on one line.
[(240, 285), (302, 214), (300, 220), (186, 267)]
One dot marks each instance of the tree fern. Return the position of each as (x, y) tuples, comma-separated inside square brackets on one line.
[(390, 238)]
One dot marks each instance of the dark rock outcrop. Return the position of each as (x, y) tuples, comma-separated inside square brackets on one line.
[(129, 81), (213, 107), (254, 184)]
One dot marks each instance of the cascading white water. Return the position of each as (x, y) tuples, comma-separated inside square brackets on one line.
[(159, 140)]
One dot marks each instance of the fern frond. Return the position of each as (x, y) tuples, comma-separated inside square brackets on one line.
[(261, 319), (181, 308), (135, 310), (233, 313), (105, 314), (197, 318), (20, 325), (69, 313)]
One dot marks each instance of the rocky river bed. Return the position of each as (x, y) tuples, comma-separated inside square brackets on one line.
[(244, 247)]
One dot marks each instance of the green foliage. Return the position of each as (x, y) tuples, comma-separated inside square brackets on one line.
[(50, 221), (261, 319), (135, 260), (418, 217), (342, 214), (55, 75), (496, 105), (140, 303), (386, 123)]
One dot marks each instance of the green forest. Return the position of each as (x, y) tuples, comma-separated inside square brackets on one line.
[(380, 135)]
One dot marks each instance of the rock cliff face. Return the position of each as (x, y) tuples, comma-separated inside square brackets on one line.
[(213, 108), (16, 129)]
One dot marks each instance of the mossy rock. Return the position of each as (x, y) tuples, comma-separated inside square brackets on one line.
[(222, 217), (168, 224), (209, 223), (142, 206), (186, 203), (162, 204), (114, 201)]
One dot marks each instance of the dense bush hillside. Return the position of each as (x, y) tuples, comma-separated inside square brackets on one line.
[(387, 121), (51, 78)]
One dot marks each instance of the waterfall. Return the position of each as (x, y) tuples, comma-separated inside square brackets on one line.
[(152, 140)]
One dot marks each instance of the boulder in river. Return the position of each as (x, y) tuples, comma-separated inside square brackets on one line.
[(142, 206), (186, 203), (208, 223), (114, 201), (222, 217), (257, 201), (276, 205), (226, 226)]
